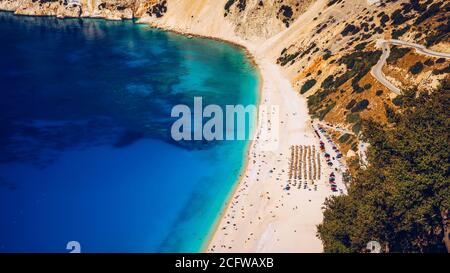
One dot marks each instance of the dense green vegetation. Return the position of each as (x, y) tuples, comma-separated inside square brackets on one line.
[(402, 199), (358, 65)]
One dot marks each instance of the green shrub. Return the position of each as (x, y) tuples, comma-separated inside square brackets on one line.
[(350, 104), (360, 106), (328, 82), (431, 11), (397, 101), (356, 88), (398, 18), (445, 70), (429, 62), (361, 46), (315, 99), (416, 68), (353, 117), (327, 109), (397, 53), (327, 54), (350, 29), (307, 85), (285, 59), (397, 33), (344, 138), (357, 127), (390, 113)]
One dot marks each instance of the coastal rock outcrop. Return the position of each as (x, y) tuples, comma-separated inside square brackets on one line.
[(110, 9), (254, 20)]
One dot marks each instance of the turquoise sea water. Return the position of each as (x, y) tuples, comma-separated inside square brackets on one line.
[(85, 147)]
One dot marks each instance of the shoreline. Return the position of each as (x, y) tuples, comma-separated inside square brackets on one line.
[(275, 212), (251, 57), (274, 89), (253, 60), (215, 227)]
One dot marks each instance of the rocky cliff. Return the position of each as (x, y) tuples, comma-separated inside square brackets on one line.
[(111, 9)]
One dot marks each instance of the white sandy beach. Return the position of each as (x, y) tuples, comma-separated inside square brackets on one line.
[(261, 216)]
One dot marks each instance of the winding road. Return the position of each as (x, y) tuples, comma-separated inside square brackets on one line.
[(377, 72)]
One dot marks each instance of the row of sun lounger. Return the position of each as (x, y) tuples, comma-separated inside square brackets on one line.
[(304, 163)]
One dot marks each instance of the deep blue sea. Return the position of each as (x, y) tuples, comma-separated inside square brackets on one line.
[(85, 147)]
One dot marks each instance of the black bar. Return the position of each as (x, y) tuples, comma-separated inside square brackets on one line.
[(307, 263)]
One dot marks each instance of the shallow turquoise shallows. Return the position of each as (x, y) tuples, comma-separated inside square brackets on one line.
[(85, 148)]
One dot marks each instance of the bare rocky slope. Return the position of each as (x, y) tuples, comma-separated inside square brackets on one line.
[(325, 47)]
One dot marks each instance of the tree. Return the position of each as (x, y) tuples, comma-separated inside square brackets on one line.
[(402, 199)]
